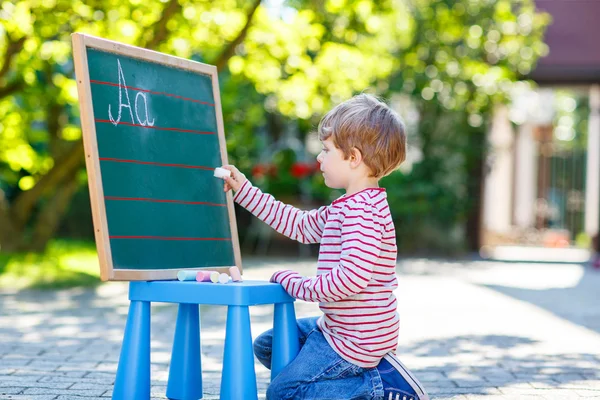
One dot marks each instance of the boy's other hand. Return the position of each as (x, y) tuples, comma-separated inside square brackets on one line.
[(236, 180)]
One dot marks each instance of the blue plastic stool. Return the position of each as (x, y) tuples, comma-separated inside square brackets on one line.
[(185, 375)]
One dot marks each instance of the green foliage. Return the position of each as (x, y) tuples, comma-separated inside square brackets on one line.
[(301, 62), (296, 66), (63, 264), (44, 70), (425, 213), (453, 60), (321, 54), (463, 58), (466, 54), (244, 114)]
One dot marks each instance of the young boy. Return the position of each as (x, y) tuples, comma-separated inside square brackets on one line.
[(347, 353)]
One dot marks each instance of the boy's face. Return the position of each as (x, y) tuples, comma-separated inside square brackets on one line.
[(335, 169)]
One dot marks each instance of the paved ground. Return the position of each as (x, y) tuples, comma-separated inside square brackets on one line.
[(469, 330)]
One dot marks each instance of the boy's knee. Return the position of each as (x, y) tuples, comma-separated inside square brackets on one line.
[(278, 391), (265, 339), (262, 344), (272, 392), (262, 347), (287, 386), (260, 350)]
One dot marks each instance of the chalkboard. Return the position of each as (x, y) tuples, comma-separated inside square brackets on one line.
[(153, 135)]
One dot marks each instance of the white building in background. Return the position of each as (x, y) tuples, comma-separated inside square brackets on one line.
[(539, 189), (521, 186), (592, 194)]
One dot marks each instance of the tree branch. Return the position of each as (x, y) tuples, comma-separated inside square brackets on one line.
[(12, 87), (64, 165), (9, 237), (4, 221), (221, 60), (52, 214), (12, 48), (54, 112), (160, 27)]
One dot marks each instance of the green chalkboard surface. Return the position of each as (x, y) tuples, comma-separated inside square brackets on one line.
[(153, 135)]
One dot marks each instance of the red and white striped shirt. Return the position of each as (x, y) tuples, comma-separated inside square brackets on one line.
[(356, 274)]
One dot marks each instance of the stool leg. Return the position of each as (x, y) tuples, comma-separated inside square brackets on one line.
[(286, 344), (133, 373), (185, 372), (239, 379)]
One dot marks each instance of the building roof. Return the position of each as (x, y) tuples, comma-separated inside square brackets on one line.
[(574, 41)]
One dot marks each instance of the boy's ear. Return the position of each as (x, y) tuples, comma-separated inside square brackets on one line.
[(355, 157)]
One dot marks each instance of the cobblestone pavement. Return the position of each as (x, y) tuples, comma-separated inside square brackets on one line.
[(469, 330)]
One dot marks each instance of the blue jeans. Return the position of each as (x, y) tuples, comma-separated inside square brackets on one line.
[(318, 372)]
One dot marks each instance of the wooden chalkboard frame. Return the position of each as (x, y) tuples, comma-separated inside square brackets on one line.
[(80, 43)]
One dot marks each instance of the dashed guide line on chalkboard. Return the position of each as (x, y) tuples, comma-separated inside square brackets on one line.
[(153, 92), (168, 238), (155, 163), (159, 128), (163, 201)]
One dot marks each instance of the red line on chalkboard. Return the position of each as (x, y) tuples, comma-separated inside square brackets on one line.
[(158, 127), (166, 238), (153, 92), (155, 163), (163, 201)]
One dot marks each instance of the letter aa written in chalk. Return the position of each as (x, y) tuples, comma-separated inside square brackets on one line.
[(127, 103)]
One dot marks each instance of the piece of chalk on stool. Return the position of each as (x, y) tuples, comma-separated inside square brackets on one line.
[(187, 275), (214, 277), (223, 278), (235, 274), (222, 172), (203, 276)]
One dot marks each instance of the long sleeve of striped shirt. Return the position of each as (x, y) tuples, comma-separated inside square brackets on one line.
[(360, 239), (300, 225)]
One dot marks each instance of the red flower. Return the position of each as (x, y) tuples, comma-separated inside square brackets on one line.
[(259, 170), (301, 170), (272, 170)]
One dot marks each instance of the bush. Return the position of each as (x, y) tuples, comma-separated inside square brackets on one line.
[(65, 263), (427, 216)]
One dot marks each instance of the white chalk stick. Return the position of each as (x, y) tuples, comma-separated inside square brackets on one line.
[(187, 275), (222, 172), (223, 278), (235, 274), (214, 277)]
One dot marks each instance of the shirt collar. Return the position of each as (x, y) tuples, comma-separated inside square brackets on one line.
[(346, 197)]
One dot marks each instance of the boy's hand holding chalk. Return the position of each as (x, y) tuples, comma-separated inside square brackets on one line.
[(233, 181)]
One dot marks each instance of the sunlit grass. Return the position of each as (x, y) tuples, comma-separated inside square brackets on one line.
[(65, 263)]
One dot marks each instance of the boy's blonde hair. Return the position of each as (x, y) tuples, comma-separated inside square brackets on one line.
[(370, 126)]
